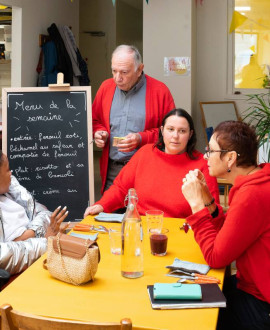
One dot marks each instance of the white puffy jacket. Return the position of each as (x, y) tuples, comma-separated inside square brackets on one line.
[(17, 256)]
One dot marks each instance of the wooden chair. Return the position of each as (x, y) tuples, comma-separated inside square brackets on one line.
[(226, 185), (15, 320)]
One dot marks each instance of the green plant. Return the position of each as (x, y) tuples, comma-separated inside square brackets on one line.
[(258, 115), (266, 81)]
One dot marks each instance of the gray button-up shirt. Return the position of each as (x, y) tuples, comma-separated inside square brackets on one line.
[(127, 116)]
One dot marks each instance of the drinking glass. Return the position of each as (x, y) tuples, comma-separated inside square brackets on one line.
[(154, 220), (158, 241)]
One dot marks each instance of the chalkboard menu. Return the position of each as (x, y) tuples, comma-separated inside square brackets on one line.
[(47, 135)]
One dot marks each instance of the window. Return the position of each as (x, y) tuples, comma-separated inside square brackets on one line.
[(250, 30)]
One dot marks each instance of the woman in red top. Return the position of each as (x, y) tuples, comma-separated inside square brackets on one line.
[(243, 234), (156, 171)]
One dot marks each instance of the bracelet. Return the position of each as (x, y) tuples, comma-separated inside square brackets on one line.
[(212, 202), (39, 232)]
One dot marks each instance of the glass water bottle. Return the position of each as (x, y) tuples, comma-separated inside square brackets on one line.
[(132, 236)]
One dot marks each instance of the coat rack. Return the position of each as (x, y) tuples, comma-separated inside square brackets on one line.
[(43, 38)]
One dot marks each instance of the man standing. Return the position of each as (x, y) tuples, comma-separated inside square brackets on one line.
[(130, 105)]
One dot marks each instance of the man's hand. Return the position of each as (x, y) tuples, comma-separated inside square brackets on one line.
[(131, 142), (57, 217), (101, 138), (94, 209)]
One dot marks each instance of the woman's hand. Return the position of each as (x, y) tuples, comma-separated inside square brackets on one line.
[(192, 190), (200, 177), (206, 195), (57, 217), (94, 209)]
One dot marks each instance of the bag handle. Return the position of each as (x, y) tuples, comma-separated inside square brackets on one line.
[(62, 260), (45, 264)]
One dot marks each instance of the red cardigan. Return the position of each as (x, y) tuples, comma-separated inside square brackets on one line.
[(243, 234), (158, 101), (157, 178)]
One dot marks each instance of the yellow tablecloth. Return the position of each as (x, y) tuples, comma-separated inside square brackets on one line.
[(111, 297)]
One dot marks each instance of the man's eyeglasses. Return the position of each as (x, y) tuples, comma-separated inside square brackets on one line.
[(209, 151)]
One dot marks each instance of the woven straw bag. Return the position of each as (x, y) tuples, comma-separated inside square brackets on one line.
[(71, 259)]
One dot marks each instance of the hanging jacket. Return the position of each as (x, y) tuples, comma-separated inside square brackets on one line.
[(84, 78), (64, 64), (49, 72), (71, 48)]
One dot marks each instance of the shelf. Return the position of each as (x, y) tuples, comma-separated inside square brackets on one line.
[(2, 61)]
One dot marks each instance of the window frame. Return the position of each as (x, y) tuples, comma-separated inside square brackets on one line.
[(232, 92)]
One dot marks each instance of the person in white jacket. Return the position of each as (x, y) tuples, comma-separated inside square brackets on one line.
[(24, 223)]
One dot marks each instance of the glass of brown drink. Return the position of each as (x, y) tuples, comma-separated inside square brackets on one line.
[(158, 241)]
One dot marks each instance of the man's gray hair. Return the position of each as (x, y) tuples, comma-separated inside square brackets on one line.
[(130, 50)]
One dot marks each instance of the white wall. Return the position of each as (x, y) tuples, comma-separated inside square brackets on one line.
[(96, 15), (31, 18), (182, 28), (212, 60), (129, 25), (167, 32)]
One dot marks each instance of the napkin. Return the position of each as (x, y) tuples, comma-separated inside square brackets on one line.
[(109, 217), (190, 267), (92, 237)]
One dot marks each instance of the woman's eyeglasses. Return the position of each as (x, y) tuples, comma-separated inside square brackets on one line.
[(209, 151)]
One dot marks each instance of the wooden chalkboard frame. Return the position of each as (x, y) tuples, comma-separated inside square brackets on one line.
[(218, 104), (87, 90)]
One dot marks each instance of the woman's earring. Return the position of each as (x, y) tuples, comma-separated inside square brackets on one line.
[(228, 170)]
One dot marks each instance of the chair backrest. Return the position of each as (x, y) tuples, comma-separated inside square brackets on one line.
[(214, 113), (14, 320), (209, 132)]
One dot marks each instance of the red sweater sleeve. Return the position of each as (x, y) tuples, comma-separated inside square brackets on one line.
[(101, 106), (242, 227)]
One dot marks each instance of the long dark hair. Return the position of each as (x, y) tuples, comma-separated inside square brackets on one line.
[(1, 157), (192, 141)]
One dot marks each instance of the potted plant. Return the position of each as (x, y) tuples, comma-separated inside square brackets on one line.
[(258, 115)]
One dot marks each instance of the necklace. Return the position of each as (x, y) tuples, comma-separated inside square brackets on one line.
[(249, 172)]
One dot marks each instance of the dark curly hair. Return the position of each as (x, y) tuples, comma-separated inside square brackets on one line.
[(240, 137), (192, 141)]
